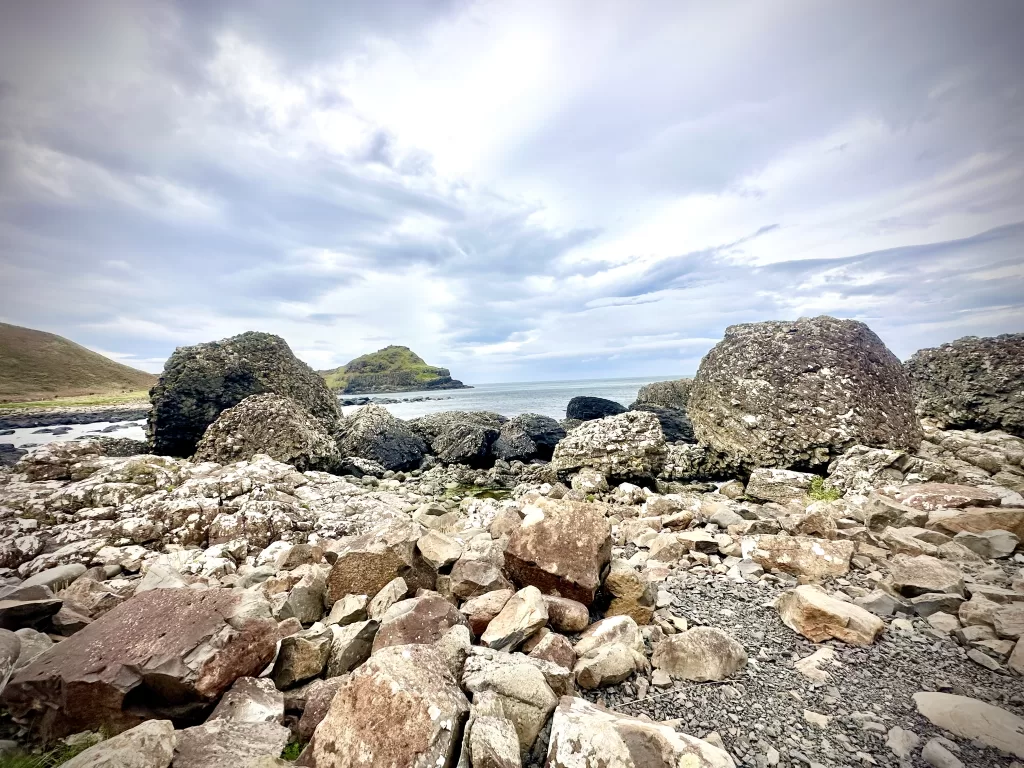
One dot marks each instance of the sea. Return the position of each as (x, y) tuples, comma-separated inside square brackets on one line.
[(548, 398)]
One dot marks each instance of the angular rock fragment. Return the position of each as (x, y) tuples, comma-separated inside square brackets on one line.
[(367, 563), (799, 555), (818, 617), (701, 653), (228, 744), (418, 620), (523, 614)]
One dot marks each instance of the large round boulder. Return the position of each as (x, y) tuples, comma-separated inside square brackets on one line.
[(373, 433), (270, 424), (527, 436), (200, 382), (587, 408), (972, 382), (630, 446), (785, 394), (460, 437), (667, 394)]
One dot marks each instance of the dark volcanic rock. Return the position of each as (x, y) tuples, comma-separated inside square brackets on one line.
[(526, 437), (200, 382), (165, 653), (674, 422), (373, 433), (270, 424), (784, 394), (972, 382), (586, 408), (460, 437)]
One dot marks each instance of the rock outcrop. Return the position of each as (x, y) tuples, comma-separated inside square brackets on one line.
[(527, 436), (586, 408), (789, 394), (372, 433), (200, 382), (630, 446), (972, 383), (667, 394)]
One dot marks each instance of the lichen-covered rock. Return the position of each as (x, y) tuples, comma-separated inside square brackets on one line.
[(667, 394), (372, 433), (628, 446), (784, 394), (416, 621), (200, 382), (163, 652), (148, 745), (972, 382), (527, 436), (273, 425), (688, 462), (402, 708), (586, 408), (780, 485), (675, 424), (365, 564), (805, 556)]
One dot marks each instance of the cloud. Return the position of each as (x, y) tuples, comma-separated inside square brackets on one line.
[(539, 191)]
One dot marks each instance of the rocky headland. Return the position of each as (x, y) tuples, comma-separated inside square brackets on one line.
[(809, 555), (392, 369)]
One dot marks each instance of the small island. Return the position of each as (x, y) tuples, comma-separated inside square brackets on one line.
[(392, 369)]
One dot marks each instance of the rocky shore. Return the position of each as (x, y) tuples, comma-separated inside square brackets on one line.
[(21, 418), (778, 564)]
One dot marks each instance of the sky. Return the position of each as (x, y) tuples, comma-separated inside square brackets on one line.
[(517, 191)]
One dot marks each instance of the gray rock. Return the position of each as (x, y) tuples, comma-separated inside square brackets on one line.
[(701, 653), (350, 646), (302, 656), (520, 617), (902, 742), (10, 648), (973, 719), (228, 744), (527, 436), (668, 394), (779, 485), (55, 578), (675, 424), (990, 545), (779, 394), (372, 433), (937, 756), (624, 447), (149, 745), (251, 700)]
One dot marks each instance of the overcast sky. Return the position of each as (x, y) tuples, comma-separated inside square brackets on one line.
[(517, 190)]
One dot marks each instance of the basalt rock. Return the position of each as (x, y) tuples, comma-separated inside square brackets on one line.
[(630, 446), (372, 433), (587, 408), (527, 436)]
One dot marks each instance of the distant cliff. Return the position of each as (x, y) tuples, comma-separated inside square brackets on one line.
[(392, 369)]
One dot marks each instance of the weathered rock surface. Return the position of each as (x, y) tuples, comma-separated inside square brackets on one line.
[(806, 556), (367, 563), (628, 446), (978, 520), (372, 433), (782, 394), (667, 394), (586, 408), (973, 719), (147, 745), (200, 382), (520, 617), (779, 485), (228, 744), (701, 653), (922, 574), (418, 620), (818, 617), (675, 424), (164, 652), (527, 436), (460, 437), (931, 496), (972, 382), (273, 425), (561, 548), (251, 700)]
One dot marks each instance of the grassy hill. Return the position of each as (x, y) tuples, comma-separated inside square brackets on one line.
[(392, 369), (35, 365)]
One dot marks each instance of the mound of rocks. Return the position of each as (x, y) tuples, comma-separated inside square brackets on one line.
[(272, 425), (628, 446), (784, 394), (200, 382), (586, 408), (373, 434), (972, 382)]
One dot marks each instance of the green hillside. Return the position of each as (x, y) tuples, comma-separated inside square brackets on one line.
[(35, 365), (392, 369)]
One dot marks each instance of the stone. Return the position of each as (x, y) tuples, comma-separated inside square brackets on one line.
[(919, 575), (302, 656), (10, 649), (700, 654), (460, 437), (481, 609), (348, 610), (527, 436), (566, 615), (585, 734), (373, 434), (972, 382), (318, 702), (200, 382), (930, 602), (273, 425), (351, 645), (228, 744), (808, 610), (973, 719), (608, 664), (632, 594), (805, 556), (1008, 621), (1016, 661), (778, 394), (523, 614), (944, 622), (668, 394), (937, 756), (978, 520), (393, 591), (472, 578), (402, 708), (251, 700), (675, 423), (589, 481), (555, 648), (418, 620), (928, 497), (55, 578), (587, 408), (989, 545), (778, 485), (630, 446), (901, 742), (305, 600), (438, 550), (367, 563), (561, 548), (147, 745), (159, 576), (617, 629), (811, 666), (192, 644)]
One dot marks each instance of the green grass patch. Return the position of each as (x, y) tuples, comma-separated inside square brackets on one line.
[(479, 492), (822, 490), (292, 750), (49, 759), (84, 400)]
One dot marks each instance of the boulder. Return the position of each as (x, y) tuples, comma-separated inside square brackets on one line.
[(973, 719), (699, 654), (402, 708), (783, 394), (972, 383), (675, 424), (628, 446), (527, 436), (978, 520), (989, 545), (273, 425), (320, 694), (164, 652), (200, 382), (373, 434), (251, 700), (555, 648), (302, 655), (366, 563), (585, 734), (228, 744), (667, 394), (779, 485), (566, 615), (491, 740), (418, 620), (804, 556), (481, 609), (606, 665), (438, 550), (632, 594), (460, 437), (928, 497), (561, 548), (819, 617), (587, 408), (621, 630), (350, 646), (10, 649), (523, 614), (913, 576), (472, 578), (147, 745)]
